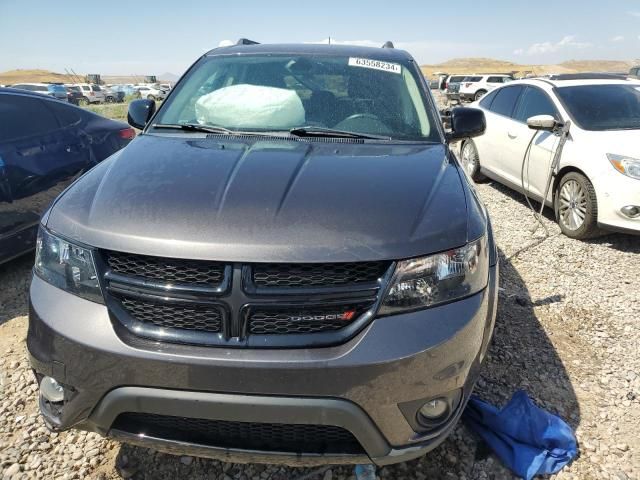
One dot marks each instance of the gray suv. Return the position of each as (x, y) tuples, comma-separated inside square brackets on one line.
[(288, 265)]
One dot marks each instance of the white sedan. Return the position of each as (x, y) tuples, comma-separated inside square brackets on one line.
[(597, 181), (151, 93)]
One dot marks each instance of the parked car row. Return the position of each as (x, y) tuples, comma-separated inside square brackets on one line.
[(460, 88), (91, 93)]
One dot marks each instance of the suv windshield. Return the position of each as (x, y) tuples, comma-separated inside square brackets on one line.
[(603, 107), (57, 89), (277, 93)]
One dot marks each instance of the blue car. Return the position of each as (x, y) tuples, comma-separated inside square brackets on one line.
[(45, 144)]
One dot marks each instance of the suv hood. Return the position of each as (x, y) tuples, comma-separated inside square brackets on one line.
[(267, 200)]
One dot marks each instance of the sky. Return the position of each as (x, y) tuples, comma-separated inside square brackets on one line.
[(158, 36)]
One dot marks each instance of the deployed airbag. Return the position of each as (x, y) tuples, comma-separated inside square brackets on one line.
[(251, 106)]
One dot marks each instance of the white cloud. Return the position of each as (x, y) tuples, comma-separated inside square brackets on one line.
[(519, 51), (617, 38), (568, 41), (634, 14)]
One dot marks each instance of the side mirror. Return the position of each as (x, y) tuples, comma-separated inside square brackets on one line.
[(140, 112), (466, 123), (542, 122)]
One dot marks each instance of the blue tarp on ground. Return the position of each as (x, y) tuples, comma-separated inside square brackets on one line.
[(527, 439)]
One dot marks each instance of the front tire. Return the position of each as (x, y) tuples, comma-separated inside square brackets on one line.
[(471, 161), (479, 94), (576, 207), (83, 102)]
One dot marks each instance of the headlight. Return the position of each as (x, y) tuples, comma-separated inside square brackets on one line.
[(626, 165), (67, 266), (427, 281)]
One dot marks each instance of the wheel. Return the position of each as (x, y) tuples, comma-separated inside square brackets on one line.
[(150, 97), (576, 207), (83, 102), (471, 161), (480, 94), (110, 99)]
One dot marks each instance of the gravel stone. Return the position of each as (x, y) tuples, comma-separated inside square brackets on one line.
[(566, 333)]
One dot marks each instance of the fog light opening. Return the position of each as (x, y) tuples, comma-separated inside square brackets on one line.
[(434, 412), (631, 211), (51, 390)]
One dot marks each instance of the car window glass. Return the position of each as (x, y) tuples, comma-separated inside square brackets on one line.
[(535, 102), (472, 79), (603, 107), (487, 100), (505, 100), (327, 92), (67, 115), (495, 79), (22, 116)]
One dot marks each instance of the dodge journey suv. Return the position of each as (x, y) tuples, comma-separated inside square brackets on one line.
[(288, 265)]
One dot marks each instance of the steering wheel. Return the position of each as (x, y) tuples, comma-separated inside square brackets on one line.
[(357, 116)]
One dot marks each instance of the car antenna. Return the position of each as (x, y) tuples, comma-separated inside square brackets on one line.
[(246, 41), (388, 44)]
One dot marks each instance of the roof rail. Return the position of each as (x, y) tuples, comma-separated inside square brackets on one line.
[(246, 41), (388, 44), (589, 76)]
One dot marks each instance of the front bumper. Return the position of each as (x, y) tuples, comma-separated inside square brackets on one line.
[(363, 385), (615, 191)]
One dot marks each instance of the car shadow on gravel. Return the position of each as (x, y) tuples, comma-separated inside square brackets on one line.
[(522, 356), (618, 241), (14, 284)]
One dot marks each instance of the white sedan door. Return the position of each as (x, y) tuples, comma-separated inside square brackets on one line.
[(494, 146), (534, 101)]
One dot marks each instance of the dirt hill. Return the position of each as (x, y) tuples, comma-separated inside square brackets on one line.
[(456, 65), (20, 76), (489, 65)]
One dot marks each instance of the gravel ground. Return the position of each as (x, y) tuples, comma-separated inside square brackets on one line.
[(566, 333)]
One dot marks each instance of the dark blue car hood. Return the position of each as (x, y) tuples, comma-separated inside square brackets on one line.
[(268, 200)]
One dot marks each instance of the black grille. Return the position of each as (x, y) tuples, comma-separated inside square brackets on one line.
[(166, 315), (267, 437), (308, 320), (316, 275), (167, 270)]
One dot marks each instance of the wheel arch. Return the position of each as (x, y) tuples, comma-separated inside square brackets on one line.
[(563, 171)]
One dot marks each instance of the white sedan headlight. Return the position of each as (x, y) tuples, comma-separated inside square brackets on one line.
[(628, 166), (444, 277)]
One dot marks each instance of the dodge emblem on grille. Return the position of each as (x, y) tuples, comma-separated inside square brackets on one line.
[(348, 315)]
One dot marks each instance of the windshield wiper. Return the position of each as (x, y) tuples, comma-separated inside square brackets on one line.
[(313, 131), (196, 127)]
